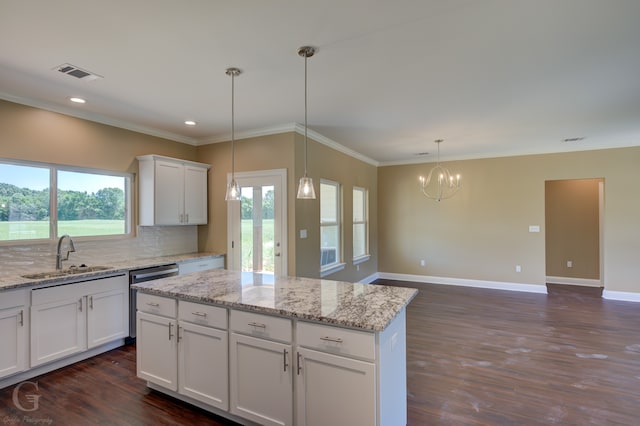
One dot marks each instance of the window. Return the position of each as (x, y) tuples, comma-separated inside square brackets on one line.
[(360, 225), (330, 232), (39, 202)]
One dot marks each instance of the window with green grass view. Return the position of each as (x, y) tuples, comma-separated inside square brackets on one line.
[(360, 223), (86, 202), (330, 216), (24, 202)]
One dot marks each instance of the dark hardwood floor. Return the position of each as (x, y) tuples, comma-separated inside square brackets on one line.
[(474, 357)]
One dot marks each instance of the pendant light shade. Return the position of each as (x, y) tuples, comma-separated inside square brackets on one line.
[(233, 191), (305, 187)]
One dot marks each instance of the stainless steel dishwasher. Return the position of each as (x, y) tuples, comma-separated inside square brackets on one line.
[(140, 276)]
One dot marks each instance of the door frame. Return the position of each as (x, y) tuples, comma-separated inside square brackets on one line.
[(257, 178)]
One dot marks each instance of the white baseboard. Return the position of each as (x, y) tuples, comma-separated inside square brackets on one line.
[(574, 281), (495, 285), (621, 295), (370, 278)]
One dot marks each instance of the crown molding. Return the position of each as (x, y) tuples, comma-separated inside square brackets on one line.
[(97, 118), (292, 127)]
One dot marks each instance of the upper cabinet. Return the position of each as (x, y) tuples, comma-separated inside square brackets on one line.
[(172, 191)]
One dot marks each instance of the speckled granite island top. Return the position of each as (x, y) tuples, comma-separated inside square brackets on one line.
[(363, 306)]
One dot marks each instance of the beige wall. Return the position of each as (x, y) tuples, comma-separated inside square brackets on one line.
[(286, 151), (260, 153), (482, 233), (326, 163), (572, 228), (38, 135)]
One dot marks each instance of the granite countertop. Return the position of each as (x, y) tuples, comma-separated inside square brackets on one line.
[(362, 306), (17, 281)]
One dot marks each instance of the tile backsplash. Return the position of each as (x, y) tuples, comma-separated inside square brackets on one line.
[(151, 241)]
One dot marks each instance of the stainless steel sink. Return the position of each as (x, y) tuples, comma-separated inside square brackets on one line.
[(65, 272)]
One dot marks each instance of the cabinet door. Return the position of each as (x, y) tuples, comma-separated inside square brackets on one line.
[(13, 357), (107, 317), (203, 364), (169, 190), (261, 380), (58, 329), (334, 390), (157, 350), (195, 195)]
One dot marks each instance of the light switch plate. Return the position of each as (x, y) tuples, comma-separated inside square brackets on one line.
[(534, 228), (303, 233)]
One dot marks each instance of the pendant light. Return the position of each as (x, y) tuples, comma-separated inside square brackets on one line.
[(233, 191), (305, 187)]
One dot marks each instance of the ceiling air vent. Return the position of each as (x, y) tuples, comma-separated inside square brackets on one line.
[(77, 72)]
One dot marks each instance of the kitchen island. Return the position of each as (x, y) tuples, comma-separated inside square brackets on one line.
[(276, 350)]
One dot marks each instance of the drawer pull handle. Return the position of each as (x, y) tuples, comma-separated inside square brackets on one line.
[(331, 339), (258, 325), (155, 305), (200, 314)]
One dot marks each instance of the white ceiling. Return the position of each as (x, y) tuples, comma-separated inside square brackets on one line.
[(491, 77)]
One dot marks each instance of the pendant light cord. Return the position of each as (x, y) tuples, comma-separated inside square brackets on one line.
[(233, 126), (306, 57)]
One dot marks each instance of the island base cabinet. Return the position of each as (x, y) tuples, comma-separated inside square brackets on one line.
[(156, 350), (202, 364), (13, 355), (334, 390), (261, 380)]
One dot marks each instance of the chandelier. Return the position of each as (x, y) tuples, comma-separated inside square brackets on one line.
[(439, 184)]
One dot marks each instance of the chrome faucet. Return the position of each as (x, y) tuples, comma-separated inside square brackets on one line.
[(71, 247)]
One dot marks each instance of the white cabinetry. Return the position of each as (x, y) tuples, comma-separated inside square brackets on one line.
[(172, 191), (69, 319), (197, 265), (13, 332), (261, 379), (331, 386), (183, 348)]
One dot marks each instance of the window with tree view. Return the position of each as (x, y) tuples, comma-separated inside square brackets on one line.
[(85, 202)]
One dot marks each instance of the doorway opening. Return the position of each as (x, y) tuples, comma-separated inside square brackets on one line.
[(574, 232)]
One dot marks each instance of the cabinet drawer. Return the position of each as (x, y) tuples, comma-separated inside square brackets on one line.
[(198, 265), (13, 298), (207, 315), (354, 343), (156, 305), (259, 325)]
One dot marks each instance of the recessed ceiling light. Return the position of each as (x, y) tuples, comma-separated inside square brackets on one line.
[(77, 100), (190, 123)]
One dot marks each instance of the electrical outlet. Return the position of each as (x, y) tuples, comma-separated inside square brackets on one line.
[(518, 268), (422, 262), (569, 263)]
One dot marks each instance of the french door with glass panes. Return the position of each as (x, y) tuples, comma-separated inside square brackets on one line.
[(256, 234)]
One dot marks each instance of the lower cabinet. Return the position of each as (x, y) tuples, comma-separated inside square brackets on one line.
[(334, 390), (261, 380), (13, 333), (186, 355), (71, 318)]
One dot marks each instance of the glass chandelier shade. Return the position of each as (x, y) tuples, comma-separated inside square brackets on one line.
[(439, 184), (233, 191), (305, 186)]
